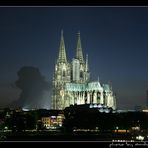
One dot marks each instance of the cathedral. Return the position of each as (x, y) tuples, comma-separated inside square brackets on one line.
[(71, 82)]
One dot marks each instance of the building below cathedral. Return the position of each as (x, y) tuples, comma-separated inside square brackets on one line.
[(72, 85)]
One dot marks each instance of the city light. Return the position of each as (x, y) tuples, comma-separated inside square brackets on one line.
[(140, 137)]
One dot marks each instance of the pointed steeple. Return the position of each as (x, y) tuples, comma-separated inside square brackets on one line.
[(79, 54), (87, 69), (62, 52), (110, 84), (98, 79)]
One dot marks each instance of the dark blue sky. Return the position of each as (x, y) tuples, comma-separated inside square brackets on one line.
[(115, 39)]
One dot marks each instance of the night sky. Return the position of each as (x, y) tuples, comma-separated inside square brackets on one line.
[(115, 39)]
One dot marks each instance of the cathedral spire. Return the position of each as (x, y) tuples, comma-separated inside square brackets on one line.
[(98, 79), (87, 69), (62, 52), (79, 54)]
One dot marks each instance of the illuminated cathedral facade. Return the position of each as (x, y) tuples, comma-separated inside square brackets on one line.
[(71, 82)]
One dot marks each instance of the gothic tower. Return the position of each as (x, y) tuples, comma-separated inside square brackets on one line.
[(80, 73), (62, 75)]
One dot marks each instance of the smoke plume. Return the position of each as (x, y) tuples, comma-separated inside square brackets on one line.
[(35, 90)]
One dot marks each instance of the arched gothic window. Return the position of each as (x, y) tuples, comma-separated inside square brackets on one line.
[(81, 74), (64, 73)]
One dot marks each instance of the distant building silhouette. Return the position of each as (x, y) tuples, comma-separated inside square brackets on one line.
[(138, 108)]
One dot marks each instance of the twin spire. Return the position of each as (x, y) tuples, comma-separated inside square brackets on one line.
[(62, 53), (79, 54)]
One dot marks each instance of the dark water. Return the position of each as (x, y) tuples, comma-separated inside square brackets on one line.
[(48, 136)]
